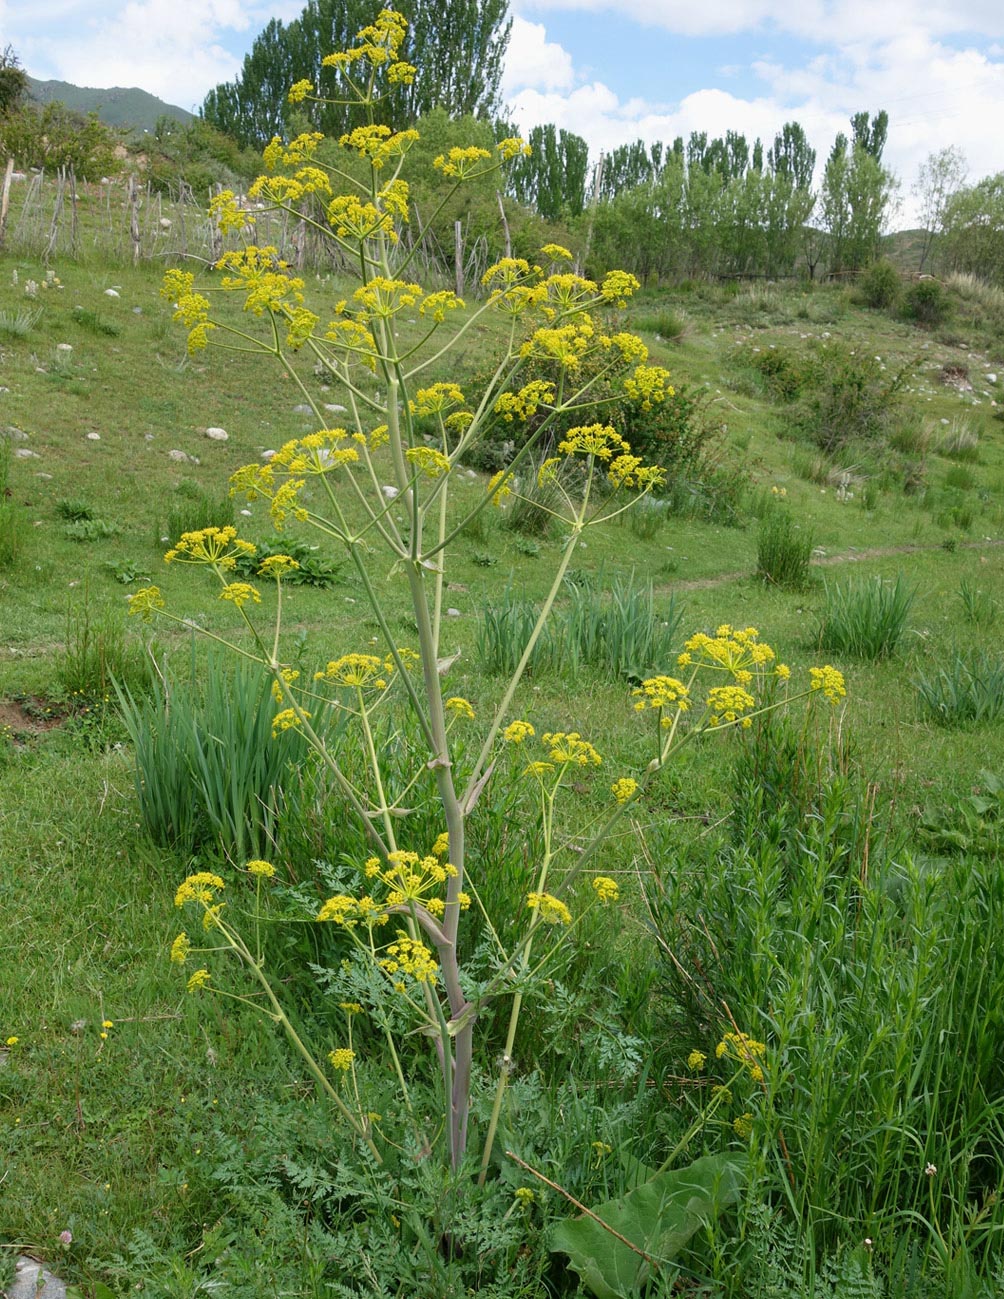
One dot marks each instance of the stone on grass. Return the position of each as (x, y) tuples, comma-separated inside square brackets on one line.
[(333, 408), (33, 1281), (112, 293), (93, 437), (182, 458), (64, 347), (217, 434), (23, 453)]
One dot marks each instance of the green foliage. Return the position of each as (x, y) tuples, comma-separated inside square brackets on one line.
[(658, 1218), (97, 654), (851, 397), (13, 81), (612, 627), (979, 607), (968, 688), (782, 371), (73, 510), (961, 441), (13, 522), (194, 508), (865, 619), (86, 530), (459, 54), (209, 774), (54, 137), (928, 303), (880, 285), (852, 959), (552, 179), (783, 550), (94, 323), (20, 323), (314, 568)]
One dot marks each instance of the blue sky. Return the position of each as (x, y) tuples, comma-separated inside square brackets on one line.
[(614, 72)]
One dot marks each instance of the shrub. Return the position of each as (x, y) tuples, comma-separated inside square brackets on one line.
[(782, 372), (928, 303), (968, 689), (865, 619), (784, 550), (313, 568), (849, 397), (880, 285)]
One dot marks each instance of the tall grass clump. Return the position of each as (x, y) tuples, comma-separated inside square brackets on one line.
[(961, 441), (193, 508), (872, 983), (618, 630), (979, 608), (783, 550), (97, 654), (13, 525), (20, 323), (864, 619), (505, 631), (968, 688), (209, 774)]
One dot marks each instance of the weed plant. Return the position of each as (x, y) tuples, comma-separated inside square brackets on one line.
[(209, 776), (979, 608), (194, 508), (864, 619), (20, 323), (784, 549), (858, 964), (616, 629), (97, 654), (967, 689)]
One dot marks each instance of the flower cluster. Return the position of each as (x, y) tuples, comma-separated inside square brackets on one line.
[(744, 1050), (220, 548), (550, 909), (829, 682)]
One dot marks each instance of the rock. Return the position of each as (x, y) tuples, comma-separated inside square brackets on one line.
[(182, 459), (93, 437), (112, 293), (302, 409), (33, 1281), (45, 477), (165, 224), (64, 347), (990, 378), (217, 434), (389, 491), (333, 408), (453, 613), (23, 453), (137, 311), (267, 456)]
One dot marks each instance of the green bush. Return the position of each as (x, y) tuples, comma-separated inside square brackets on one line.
[(849, 397), (865, 619), (928, 303), (781, 371), (880, 285), (315, 569), (784, 550)]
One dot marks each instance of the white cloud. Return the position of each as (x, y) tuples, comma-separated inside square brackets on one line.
[(176, 49), (534, 61)]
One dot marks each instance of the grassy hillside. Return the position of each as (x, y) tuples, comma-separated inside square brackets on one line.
[(830, 889), (127, 109)]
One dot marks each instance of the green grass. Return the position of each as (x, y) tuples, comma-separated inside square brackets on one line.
[(181, 1149)]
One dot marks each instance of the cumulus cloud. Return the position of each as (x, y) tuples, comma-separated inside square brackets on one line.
[(534, 61)]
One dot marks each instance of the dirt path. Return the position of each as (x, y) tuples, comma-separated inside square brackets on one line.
[(825, 561)]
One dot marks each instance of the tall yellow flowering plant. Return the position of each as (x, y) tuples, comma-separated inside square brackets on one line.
[(381, 481)]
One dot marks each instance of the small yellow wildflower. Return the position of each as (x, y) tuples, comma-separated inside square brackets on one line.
[(146, 602), (277, 566), (441, 848), (550, 909), (607, 889), (239, 593), (696, 1060), (200, 979), (342, 1058), (262, 869), (743, 1126), (199, 887), (745, 1050), (556, 253), (180, 949), (12, 1041), (517, 732), (524, 1196), (287, 719), (829, 681), (350, 1007), (728, 703), (460, 707), (570, 747), (624, 789)]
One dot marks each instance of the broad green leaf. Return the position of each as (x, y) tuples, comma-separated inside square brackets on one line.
[(658, 1217)]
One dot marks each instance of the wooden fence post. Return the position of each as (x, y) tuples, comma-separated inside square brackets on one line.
[(134, 218), (5, 198)]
